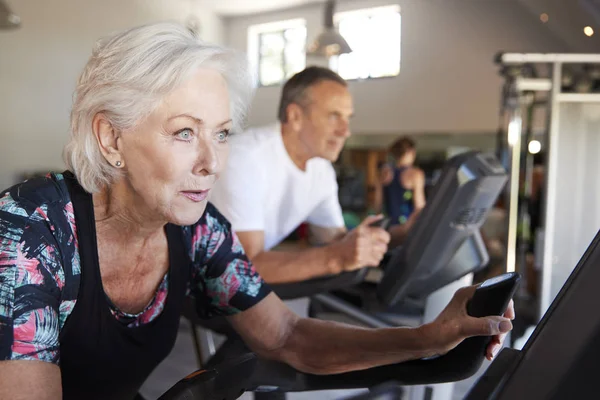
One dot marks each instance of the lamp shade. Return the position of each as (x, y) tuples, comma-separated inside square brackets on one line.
[(329, 43)]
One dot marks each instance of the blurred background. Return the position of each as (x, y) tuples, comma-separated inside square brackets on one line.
[(422, 68), (426, 69)]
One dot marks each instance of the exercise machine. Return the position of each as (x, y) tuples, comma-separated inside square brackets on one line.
[(559, 361), (442, 250), (554, 99), (443, 246), (247, 372)]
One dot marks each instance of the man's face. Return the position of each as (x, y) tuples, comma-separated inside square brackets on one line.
[(326, 119)]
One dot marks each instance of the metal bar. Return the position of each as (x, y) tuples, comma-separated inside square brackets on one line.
[(349, 310), (533, 84), (520, 58), (578, 97), (204, 344), (515, 127), (551, 188)]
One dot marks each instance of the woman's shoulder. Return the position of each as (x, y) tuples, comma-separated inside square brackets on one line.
[(210, 233), (34, 195)]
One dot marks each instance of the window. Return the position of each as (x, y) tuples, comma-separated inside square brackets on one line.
[(374, 36), (277, 50)]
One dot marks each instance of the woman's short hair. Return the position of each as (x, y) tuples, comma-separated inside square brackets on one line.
[(127, 76), (402, 146)]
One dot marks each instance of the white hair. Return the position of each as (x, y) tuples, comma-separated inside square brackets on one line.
[(126, 78)]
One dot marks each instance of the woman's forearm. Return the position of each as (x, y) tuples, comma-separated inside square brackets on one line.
[(324, 347)]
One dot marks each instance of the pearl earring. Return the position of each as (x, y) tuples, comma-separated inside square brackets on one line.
[(118, 163)]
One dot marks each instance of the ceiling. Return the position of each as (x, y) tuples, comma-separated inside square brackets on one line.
[(243, 7), (567, 19)]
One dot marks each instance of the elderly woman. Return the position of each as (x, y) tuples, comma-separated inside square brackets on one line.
[(96, 262)]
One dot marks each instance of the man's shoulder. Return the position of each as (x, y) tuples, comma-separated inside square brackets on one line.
[(323, 168), (256, 150), (255, 138)]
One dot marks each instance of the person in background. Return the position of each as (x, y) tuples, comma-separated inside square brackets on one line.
[(281, 175), (400, 191)]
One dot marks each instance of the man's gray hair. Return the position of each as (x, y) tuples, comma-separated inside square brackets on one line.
[(126, 78)]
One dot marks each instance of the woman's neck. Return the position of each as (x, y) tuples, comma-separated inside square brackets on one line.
[(121, 215)]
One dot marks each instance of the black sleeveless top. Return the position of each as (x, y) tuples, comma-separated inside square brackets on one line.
[(118, 358), (397, 200)]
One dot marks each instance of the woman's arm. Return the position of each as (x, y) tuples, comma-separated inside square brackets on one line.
[(322, 347), (230, 286), (418, 189), (384, 177), (31, 283), (29, 380)]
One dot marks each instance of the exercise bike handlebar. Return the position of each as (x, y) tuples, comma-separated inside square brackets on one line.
[(231, 379), (289, 291)]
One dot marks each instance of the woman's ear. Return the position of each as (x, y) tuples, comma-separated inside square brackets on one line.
[(108, 139)]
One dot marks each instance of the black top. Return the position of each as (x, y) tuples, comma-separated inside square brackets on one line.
[(118, 358)]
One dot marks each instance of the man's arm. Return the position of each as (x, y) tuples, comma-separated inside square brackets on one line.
[(322, 347), (289, 266), (320, 235), (363, 247)]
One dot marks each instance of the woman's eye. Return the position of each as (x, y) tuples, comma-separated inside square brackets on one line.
[(222, 136), (184, 134)]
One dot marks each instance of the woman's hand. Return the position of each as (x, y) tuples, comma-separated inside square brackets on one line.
[(453, 325)]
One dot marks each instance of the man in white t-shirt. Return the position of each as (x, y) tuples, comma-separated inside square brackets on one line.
[(281, 175)]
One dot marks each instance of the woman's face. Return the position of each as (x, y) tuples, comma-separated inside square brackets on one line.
[(173, 158)]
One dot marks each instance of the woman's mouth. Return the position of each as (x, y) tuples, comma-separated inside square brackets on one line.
[(196, 195)]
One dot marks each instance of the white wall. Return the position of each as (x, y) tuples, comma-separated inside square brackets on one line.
[(448, 81), (40, 63)]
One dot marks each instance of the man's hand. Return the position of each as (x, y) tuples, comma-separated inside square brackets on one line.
[(453, 325), (364, 246)]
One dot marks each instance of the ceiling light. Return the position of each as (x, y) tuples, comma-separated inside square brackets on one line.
[(535, 147), (588, 31), (329, 43), (544, 17)]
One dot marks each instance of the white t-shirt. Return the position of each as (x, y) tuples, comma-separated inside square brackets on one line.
[(261, 189)]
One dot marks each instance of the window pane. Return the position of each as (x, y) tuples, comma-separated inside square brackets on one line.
[(375, 41), (385, 46), (271, 44), (277, 49), (271, 70), (296, 36), (355, 30), (295, 59)]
